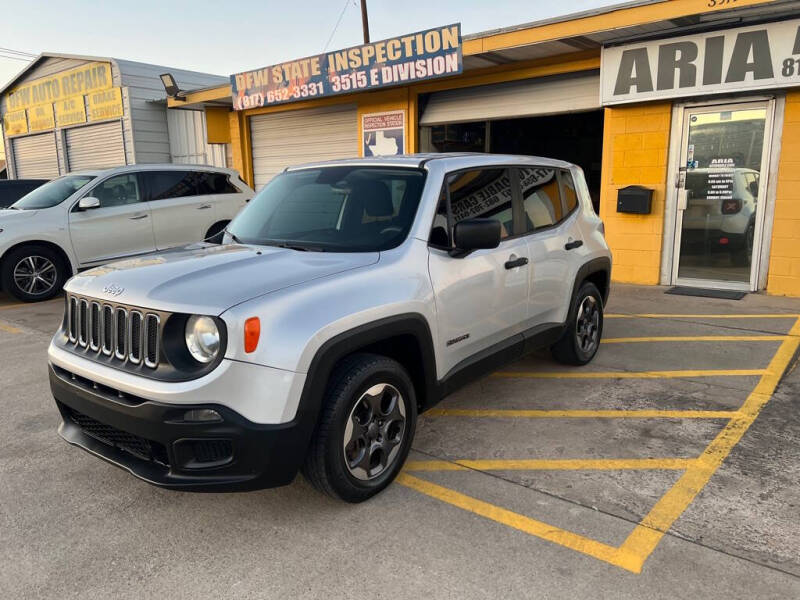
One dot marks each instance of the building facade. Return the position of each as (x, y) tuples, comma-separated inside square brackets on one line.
[(684, 115), (67, 113)]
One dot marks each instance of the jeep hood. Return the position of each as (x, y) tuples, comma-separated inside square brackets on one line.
[(209, 279)]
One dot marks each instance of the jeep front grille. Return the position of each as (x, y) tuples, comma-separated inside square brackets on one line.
[(129, 335)]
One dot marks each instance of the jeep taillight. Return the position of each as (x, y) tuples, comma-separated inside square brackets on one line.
[(731, 206)]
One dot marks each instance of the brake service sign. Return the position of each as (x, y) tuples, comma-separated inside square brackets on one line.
[(414, 57), (747, 58)]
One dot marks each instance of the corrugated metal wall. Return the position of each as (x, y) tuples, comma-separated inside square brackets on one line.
[(99, 146), (187, 139), (298, 136), (147, 107)]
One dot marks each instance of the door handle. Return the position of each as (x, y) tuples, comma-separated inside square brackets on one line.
[(204, 207), (573, 245), (137, 217), (516, 262)]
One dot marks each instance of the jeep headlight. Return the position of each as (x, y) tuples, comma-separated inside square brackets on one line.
[(202, 338)]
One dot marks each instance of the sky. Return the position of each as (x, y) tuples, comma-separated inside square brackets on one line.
[(225, 37)]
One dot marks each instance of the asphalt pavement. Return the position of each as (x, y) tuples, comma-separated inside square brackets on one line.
[(667, 468)]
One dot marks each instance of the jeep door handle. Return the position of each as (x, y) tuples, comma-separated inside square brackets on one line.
[(516, 262), (204, 207), (573, 245), (137, 217)]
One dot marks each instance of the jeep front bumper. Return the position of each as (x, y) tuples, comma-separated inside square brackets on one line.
[(153, 441)]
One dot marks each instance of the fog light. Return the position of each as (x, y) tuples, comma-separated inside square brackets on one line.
[(202, 415)]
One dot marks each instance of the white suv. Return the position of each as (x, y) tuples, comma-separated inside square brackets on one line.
[(347, 297), (87, 219)]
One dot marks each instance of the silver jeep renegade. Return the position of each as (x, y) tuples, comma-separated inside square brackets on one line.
[(346, 298)]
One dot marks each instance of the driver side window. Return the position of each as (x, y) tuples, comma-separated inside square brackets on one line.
[(118, 191)]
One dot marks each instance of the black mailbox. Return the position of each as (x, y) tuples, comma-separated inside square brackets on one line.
[(634, 199)]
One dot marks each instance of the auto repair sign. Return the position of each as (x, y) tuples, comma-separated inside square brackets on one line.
[(414, 57), (747, 58)]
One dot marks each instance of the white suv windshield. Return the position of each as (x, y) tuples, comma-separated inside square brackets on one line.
[(52, 193), (334, 209)]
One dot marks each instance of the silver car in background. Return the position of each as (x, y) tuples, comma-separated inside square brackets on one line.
[(86, 219)]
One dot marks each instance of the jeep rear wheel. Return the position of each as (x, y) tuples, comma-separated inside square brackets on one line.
[(581, 338), (365, 429)]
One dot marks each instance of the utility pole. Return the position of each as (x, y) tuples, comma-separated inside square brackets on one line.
[(365, 21)]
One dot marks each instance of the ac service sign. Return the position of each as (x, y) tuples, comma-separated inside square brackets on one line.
[(747, 58), (423, 55)]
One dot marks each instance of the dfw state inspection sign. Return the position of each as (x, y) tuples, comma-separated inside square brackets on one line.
[(417, 56)]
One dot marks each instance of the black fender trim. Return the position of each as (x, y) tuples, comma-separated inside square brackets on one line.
[(593, 266), (353, 340)]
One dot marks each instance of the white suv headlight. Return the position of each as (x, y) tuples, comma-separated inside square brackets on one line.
[(202, 338)]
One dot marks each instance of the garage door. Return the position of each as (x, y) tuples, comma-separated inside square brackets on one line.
[(528, 98), (300, 136), (95, 146), (35, 156)]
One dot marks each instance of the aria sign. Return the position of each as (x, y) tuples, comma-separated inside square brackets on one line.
[(747, 58)]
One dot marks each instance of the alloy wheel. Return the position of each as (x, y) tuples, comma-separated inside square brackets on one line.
[(35, 275), (587, 325), (374, 431)]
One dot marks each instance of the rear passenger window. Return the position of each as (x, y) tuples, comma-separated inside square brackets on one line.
[(483, 193), (163, 185), (213, 183), (541, 200), (569, 191)]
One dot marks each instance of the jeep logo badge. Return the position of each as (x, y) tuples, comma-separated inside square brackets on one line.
[(113, 289)]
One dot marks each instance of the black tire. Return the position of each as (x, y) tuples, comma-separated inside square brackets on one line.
[(33, 262), (215, 232), (573, 348), (744, 255), (330, 461)]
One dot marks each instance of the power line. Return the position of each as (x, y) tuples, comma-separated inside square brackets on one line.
[(20, 52), (16, 58), (335, 27)]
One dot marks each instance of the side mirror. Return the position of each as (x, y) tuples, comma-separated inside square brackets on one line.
[(753, 189), (89, 202), (475, 234)]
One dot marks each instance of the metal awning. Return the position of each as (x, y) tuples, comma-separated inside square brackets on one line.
[(584, 32)]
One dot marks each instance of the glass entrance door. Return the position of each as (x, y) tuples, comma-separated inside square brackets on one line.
[(724, 152)]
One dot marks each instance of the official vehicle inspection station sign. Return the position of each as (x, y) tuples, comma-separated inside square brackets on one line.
[(746, 58), (417, 56)]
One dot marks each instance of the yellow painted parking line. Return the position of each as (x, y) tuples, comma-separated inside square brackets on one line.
[(582, 414), (545, 531), (677, 316), (646, 536), (643, 540), (551, 464), (629, 374), (696, 338), (9, 328)]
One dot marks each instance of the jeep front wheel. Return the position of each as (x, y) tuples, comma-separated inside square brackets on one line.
[(365, 429)]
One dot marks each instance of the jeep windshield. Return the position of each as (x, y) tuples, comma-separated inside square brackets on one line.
[(332, 209), (52, 193)]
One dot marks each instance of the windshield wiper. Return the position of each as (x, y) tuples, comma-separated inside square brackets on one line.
[(233, 236), (295, 246)]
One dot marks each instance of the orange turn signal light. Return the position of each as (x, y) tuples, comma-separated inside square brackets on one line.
[(252, 331)]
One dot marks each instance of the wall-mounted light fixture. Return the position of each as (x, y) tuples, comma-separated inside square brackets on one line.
[(173, 91)]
